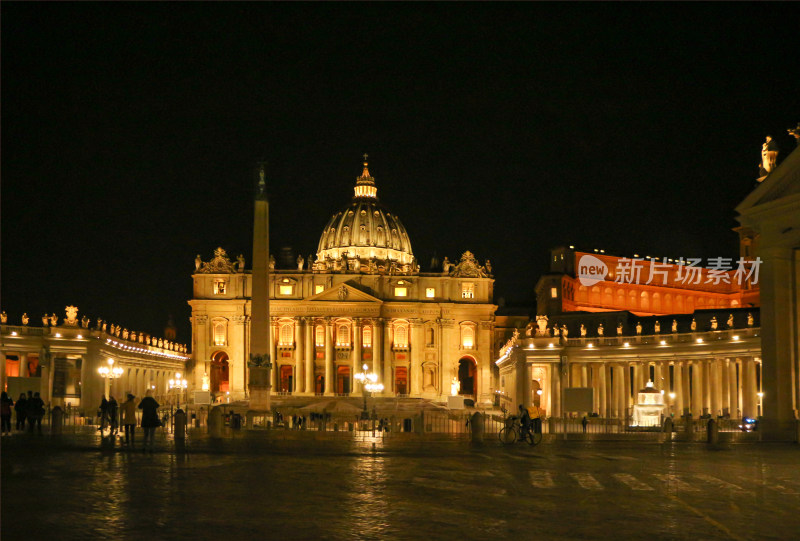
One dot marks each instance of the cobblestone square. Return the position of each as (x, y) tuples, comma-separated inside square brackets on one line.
[(256, 487)]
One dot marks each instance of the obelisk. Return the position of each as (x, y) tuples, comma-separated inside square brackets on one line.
[(260, 364)]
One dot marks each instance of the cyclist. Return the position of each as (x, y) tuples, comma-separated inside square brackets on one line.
[(536, 419), (524, 422)]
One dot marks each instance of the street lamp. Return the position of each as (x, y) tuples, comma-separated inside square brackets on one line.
[(760, 399), (179, 384), (369, 384), (108, 373)]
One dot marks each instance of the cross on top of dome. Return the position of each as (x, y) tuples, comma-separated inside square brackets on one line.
[(365, 184)]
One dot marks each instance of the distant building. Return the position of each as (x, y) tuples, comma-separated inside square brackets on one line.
[(363, 300)]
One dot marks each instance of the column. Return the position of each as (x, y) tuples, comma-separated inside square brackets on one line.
[(356, 365), (584, 375), (733, 390), (328, 356), (726, 387), (697, 389), (749, 398), (716, 388), (388, 384), (677, 388), (273, 353), (707, 383), (687, 390), (377, 348), (310, 352), (626, 395), (555, 390), (619, 390), (415, 366), (601, 381), (298, 379)]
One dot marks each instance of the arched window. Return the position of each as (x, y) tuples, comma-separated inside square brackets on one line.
[(220, 332), (286, 334), (366, 336), (467, 336), (401, 335), (343, 335), (319, 334)]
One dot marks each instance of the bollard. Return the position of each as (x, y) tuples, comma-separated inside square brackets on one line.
[(249, 419), (56, 420), (476, 424), (713, 432), (180, 424), (215, 422)]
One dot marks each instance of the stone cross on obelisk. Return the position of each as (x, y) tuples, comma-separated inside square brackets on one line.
[(260, 364)]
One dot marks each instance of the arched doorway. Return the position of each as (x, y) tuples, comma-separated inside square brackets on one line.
[(536, 394), (319, 384), (466, 376), (286, 378), (343, 380), (219, 372)]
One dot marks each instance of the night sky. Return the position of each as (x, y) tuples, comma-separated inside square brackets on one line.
[(129, 135)]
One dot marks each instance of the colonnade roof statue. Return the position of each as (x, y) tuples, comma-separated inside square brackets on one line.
[(365, 236)]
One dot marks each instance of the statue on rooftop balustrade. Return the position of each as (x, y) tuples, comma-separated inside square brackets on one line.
[(25, 318), (619, 329), (769, 156), (714, 324), (300, 262), (3, 317), (729, 323), (583, 330), (638, 327), (674, 325), (657, 327)]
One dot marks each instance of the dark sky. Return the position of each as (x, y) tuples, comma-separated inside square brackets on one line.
[(129, 133)]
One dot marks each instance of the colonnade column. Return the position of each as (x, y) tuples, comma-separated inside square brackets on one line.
[(687, 389), (310, 353), (733, 389), (298, 379), (328, 356), (620, 387), (604, 394), (555, 390), (357, 335), (697, 389), (677, 388), (716, 388), (626, 395), (708, 375), (749, 397)]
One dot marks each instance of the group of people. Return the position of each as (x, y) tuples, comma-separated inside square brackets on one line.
[(28, 408), (111, 412)]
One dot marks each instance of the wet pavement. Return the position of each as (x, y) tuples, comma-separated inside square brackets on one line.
[(257, 486)]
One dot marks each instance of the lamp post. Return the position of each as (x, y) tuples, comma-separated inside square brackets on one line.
[(180, 384), (760, 398), (369, 384), (108, 373)]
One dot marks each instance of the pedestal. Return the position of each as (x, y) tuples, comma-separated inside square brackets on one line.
[(259, 398)]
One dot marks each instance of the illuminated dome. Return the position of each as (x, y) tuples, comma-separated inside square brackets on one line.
[(365, 236)]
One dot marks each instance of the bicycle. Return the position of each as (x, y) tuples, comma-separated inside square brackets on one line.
[(512, 432)]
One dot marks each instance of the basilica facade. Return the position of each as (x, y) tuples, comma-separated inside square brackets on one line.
[(362, 301)]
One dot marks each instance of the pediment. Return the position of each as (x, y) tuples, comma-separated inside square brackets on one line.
[(343, 293)]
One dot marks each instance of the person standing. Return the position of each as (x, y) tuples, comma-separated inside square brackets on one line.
[(21, 407), (35, 412), (129, 419), (5, 412), (113, 415), (103, 414), (150, 421)]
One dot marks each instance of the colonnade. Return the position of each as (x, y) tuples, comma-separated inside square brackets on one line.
[(709, 386)]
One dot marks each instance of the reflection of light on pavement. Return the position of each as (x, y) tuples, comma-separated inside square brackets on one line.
[(370, 508)]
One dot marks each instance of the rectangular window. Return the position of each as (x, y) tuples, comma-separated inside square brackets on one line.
[(467, 290), (285, 289), (220, 287), (430, 292), (400, 292), (554, 292), (12, 367), (318, 289)]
